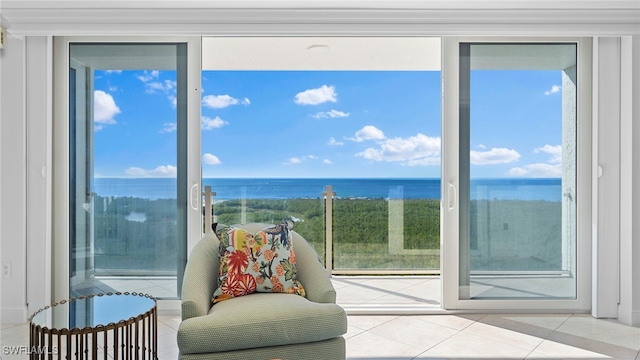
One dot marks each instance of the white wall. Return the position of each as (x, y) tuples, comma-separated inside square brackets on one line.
[(616, 247), (606, 196), (629, 307), (38, 196), (634, 285), (13, 186)]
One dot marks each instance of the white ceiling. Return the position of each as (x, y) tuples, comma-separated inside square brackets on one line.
[(320, 53)]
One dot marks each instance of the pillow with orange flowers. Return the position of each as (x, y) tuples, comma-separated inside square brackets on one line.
[(260, 262)]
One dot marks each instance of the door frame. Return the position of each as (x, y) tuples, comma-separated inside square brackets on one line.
[(61, 148), (450, 233), (83, 182)]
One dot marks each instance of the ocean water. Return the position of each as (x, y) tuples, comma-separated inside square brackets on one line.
[(498, 189)]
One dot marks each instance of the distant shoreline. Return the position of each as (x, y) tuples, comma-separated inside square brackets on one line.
[(548, 189)]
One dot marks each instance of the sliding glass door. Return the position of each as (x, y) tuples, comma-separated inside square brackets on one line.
[(513, 223), (515, 198), (132, 192)]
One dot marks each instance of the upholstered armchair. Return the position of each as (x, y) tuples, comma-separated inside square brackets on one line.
[(260, 325)]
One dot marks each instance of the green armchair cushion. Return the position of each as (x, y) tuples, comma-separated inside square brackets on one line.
[(261, 320)]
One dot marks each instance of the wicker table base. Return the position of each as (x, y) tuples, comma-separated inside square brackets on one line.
[(72, 329)]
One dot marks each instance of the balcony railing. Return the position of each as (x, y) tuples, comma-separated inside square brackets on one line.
[(384, 230), (359, 235)]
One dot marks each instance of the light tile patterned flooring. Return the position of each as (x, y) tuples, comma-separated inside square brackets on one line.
[(438, 335)]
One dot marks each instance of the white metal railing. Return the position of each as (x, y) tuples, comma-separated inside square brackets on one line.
[(328, 206), (208, 208)]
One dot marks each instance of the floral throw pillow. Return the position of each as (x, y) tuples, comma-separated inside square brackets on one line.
[(260, 262)]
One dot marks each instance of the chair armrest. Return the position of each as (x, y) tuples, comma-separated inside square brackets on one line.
[(200, 277), (311, 273)]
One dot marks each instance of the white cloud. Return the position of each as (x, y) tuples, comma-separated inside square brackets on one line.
[(210, 159), (165, 86), (554, 150), (481, 146), (494, 156), (327, 161), (209, 123), (153, 85), (222, 101), (554, 89), (169, 128), (148, 76), (418, 150), (332, 142), (317, 96), (113, 71), (330, 114), (537, 170), (299, 160), (551, 169), (104, 109), (160, 171), (292, 161), (368, 132)]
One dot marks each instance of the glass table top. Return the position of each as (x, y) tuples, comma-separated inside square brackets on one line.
[(91, 311)]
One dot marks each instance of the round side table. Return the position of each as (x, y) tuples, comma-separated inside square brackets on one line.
[(103, 326)]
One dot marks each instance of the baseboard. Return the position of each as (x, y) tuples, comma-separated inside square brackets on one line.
[(635, 318), (628, 316), (13, 315), (169, 307)]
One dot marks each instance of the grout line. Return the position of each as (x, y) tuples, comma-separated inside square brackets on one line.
[(548, 336), (382, 323), (448, 337)]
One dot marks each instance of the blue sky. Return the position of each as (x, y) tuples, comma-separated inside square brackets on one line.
[(264, 124)]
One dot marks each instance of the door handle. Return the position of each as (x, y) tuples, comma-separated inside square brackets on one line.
[(452, 198), (192, 197)]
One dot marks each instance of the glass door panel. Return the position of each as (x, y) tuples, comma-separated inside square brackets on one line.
[(518, 146), (393, 228), (127, 129)]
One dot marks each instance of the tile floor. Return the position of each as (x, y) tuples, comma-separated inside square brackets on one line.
[(470, 336), (434, 336)]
